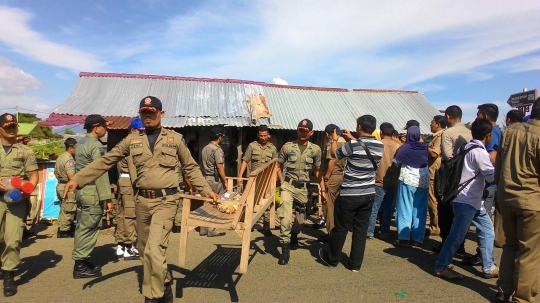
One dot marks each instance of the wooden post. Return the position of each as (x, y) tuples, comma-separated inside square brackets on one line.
[(246, 236), (182, 251)]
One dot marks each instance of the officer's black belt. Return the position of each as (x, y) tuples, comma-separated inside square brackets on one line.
[(62, 182), (211, 175), (295, 183), (157, 193)]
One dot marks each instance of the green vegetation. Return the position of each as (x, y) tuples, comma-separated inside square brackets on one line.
[(44, 151), (68, 132)]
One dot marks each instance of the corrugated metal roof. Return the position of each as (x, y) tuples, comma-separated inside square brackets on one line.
[(208, 102)]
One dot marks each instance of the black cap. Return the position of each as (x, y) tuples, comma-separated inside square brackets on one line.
[(150, 103), (330, 129), (70, 142), (263, 128), (411, 123), (216, 131), (305, 124), (95, 120), (7, 120)]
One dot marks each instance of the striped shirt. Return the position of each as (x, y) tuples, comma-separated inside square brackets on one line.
[(359, 178)]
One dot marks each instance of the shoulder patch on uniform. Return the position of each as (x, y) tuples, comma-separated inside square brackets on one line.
[(71, 163)]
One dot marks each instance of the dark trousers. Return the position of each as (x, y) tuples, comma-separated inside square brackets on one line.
[(350, 212), (445, 213)]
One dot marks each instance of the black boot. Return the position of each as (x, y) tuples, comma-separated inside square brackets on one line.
[(168, 296), (10, 288), (266, 231), (294, 241), (84, 269), (64, 234), (175, 229), (285, 254)]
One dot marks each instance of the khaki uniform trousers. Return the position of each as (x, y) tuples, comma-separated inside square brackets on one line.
[(520, 260), (289, 220), (432, 209), (178, 216), (89, 219), (498, 226), (333, 189), (217, 187), (68, 209), (154, 223), (12, 223), (126, 224)]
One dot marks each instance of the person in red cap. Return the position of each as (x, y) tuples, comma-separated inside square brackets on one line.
[(301, 156), (18, 160), (156, 154)]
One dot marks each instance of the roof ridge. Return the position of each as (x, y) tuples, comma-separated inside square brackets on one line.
[(238, 81)]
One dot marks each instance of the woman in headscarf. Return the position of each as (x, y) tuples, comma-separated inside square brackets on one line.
[(412, 195)]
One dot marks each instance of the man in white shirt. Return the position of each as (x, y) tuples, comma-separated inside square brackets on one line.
[(468, 206)]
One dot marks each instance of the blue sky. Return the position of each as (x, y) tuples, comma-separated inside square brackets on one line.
[(456, 52)]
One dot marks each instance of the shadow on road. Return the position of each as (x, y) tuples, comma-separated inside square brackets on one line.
[(31, 267), (425, 260), (217, 271)]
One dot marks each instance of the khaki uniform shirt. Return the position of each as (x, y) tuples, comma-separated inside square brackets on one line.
[(212, 155), (327, 155), (517, 168), (64, 165), (257, 155), (87, 150), (389, 152), (453, 138), (157, 170), (435, 144), (299, 164), (17, 162)]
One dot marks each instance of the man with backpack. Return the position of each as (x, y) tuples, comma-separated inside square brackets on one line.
[(468, 205), (455, 136)]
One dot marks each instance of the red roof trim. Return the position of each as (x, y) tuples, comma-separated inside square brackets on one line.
[(158, 77)]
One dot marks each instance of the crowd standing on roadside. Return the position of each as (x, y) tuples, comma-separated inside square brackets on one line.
[(364, 177)]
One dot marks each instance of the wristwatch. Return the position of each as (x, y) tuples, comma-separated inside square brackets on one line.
[(325, 179)]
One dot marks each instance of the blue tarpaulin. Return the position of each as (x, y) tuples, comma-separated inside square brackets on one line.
[(51, 203)]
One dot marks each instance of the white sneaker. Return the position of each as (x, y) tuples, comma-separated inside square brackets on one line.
[(119, 251), (131, 254)]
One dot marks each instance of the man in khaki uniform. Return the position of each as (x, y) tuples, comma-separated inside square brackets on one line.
[(213, 168), (301, 156), (257, 154), (17, 160), (332, 171), (64, 169), (126, 227), (517, 174), (155, 156), (91, 198), (438, 124)]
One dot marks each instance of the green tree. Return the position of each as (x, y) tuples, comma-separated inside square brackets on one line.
[(43, 151), (68, 132), (28, 118), (468, 125)]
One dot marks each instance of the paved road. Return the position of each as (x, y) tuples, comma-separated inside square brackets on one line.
[(389, 274)]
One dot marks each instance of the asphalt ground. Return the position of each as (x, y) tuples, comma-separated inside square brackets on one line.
[(389, 274)]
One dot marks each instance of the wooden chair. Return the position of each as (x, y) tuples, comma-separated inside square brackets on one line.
[(257, 197)]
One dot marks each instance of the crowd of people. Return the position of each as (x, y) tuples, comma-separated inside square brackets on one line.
[(362, 179)]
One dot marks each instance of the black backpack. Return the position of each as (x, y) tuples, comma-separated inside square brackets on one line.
[(448, 176)]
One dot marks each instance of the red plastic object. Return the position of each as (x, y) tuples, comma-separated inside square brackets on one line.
[(27, 188), (16, 182)]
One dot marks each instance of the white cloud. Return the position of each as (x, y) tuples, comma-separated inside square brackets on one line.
[(15, 81), (280, 81), (16, 34)]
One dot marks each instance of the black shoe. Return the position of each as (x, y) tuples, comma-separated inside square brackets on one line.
[(437, 248), (168, 296), (294, 241), (502, 297), (64, 234), (285, 254), (267, 232), (84, 269), (10, 288), (1, 275), (176, 229), (472, 261), (27, 234), (146, 300), (323, 254)]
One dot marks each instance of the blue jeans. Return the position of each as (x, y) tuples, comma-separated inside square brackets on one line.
[(384, 196), (411, 212), (464, 214)]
